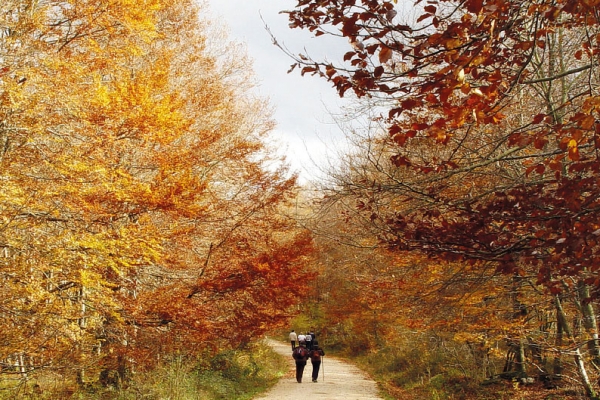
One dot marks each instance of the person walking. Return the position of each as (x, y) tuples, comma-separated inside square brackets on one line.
[(301, 337), (300, 355), (293, 338), (308, 340), (315, 359)]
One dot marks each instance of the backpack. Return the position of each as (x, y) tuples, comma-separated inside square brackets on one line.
[(300, 353), (315, 355)]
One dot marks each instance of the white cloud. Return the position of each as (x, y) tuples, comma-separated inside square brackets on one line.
[(301, 104)]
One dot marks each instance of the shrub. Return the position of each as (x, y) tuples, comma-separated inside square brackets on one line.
[(230, 374)]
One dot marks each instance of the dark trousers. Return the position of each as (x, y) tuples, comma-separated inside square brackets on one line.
[(316, 366), (300, 370), (293, 344)]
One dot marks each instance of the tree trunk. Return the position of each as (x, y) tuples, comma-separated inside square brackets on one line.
[(516, 352), (585, 380), (520, 358), (21, 365), (557, 363), (80, 378), (537, 353), (589, 322), (83, 320), (589, 390)]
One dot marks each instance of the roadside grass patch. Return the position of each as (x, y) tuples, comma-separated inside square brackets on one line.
[(230, 374)]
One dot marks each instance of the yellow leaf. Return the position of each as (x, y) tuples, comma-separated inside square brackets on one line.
[(573, 150)]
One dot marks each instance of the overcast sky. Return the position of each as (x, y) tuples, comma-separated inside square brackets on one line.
[(305, 129)]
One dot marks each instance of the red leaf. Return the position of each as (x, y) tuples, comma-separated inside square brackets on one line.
[(350, 29), (400, 161), (385, 54), (422, 17), (538, 118), (399, 139), (371, 48), (540, 169), (587, 122), (394, 112), (420, 127), (555, 165), (308, 69), (474, 6), (409, 104), (529, 169), (330, 71), (394, 129), (431, 98), (540, 143)]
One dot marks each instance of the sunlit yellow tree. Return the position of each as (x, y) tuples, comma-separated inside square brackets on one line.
[(140, 205)]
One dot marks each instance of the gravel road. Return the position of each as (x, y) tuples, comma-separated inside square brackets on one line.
[(340, 381)]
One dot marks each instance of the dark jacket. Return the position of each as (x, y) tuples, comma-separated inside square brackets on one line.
[(316, 353)]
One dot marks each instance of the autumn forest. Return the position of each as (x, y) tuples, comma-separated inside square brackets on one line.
[(146, 220)]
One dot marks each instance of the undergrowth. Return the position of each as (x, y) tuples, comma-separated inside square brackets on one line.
[(424, 370), (232, 374)]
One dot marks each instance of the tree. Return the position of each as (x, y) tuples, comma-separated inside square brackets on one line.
[(481, 89), (455, 72), (142, 210)]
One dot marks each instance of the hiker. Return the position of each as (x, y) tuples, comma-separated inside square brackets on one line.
[(308, 340), (315, 359), (313, 335), (300, 355), (301, 337), (293, 338)]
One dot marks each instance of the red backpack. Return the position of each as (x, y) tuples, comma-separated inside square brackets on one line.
[(300, 353), (315, 355)]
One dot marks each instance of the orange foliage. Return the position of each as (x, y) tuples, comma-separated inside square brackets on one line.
[(137, 212)]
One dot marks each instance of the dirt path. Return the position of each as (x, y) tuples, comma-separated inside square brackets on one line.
[(341, 381)]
